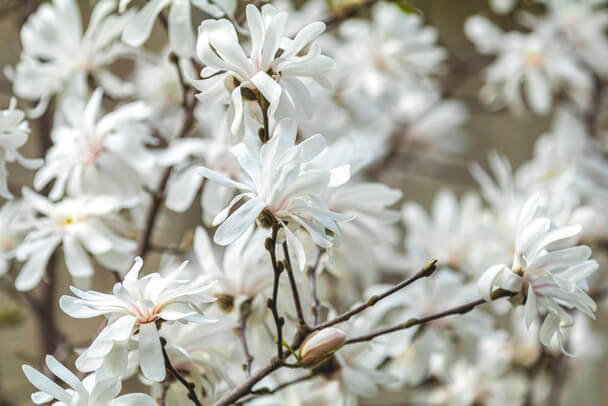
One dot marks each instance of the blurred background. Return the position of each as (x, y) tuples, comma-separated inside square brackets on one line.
[(21, 341)]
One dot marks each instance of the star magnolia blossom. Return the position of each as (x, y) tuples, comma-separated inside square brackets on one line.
[(98, 155), (273, 71), (14, 132), (57, 56), (133, 310), (280, 189), (549, 269), (91, 391), (77, 224)]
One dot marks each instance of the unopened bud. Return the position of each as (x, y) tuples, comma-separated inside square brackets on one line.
[(320, 345)]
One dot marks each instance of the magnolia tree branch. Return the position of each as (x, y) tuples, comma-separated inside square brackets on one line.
[(312, 274), (425, 272), (462, 309), (294, 290), (188, 385), (272, 303), (266, 391), (245, 310), (188, 104)]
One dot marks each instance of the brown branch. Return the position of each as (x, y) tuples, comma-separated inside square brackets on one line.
[(462, 309), (188, 103), (425, 272), (245, 310), (188, 385), (312, 274), (273, 302), (265, 391), (294, 291)]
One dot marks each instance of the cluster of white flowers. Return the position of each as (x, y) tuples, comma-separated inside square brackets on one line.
[(287, 121)]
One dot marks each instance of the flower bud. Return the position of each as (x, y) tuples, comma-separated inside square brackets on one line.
[(321, 344)]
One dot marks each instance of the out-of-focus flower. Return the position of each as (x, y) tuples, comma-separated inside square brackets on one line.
[(135, 307), (448, 235), (179, 22), (281, 190), (271, 75), (548, 269), (245, 271), (93, 155), (91, 391), (57, 57), (537, 61), (14, 132), (394, 47), (79, 225)]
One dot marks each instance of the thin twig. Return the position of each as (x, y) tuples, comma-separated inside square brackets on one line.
[(294, 290), (188, 385), (462, 309), (188, 103), (245, 310), (425, 272), (265, 391), (272, 303), (312, 274)]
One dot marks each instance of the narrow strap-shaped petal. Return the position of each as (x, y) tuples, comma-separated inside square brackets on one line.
[(150, 353)]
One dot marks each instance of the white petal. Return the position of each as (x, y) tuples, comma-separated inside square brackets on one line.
[(548, 328), (46, 385), (150, 353), (486, 282), (32, 271), (181, 36), (531, 311), (139, 28), (134, 399), (238, 222), (76, 259)]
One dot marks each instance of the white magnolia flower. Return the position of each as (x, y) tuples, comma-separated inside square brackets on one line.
[(567, 161), (447, 235), (133, 310), (93, 155), (57, 56), (79, 225), (281, 190), (14, 132), (503, 6), (245, 270), (584, 25), (393, 47), (548, 269), (274, 71), (181, 37), (537, 61), (91, 391)]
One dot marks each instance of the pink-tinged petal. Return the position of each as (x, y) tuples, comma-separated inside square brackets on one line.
[(139, 28), (561, 259), (238, 222), (150, 353)]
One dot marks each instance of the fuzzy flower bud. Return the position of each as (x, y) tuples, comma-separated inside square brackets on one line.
[(320, 344)]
